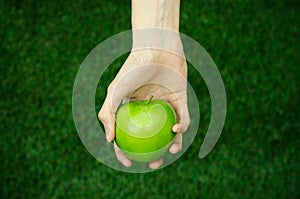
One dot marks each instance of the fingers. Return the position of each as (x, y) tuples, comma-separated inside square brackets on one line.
[(127, 162), (156, 164), (179, 128), (121, 157), (175, 148), (177, 144), (116, 92)]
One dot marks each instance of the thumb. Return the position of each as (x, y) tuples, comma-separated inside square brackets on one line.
[(116, 92), (107, 117), (107, 112)]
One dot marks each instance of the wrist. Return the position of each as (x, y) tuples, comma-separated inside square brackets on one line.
[(162, 14), (155, 25), (156, 40)]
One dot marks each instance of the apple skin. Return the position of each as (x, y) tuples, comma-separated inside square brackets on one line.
[(144, 129)]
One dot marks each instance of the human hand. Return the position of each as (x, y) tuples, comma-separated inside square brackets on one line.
[(133, 82)]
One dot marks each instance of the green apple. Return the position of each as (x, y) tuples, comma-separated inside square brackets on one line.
[(144, 129)]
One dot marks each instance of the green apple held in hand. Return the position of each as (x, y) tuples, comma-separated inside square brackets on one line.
[(144, 129)]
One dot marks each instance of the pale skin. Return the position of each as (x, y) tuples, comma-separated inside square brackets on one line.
[(132, 81)]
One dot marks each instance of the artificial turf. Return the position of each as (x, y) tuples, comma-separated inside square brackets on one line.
[(255, 45)]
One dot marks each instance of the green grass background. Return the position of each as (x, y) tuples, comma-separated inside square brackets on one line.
[(255, 45)]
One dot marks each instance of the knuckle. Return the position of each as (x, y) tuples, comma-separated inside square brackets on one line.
[(110, 87), (185, 126), (188, 121), (101, 115)]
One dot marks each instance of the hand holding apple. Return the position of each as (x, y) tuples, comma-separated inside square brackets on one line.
[(134, 83)]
